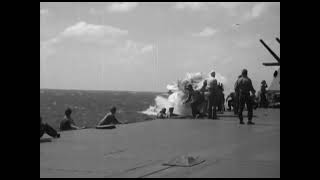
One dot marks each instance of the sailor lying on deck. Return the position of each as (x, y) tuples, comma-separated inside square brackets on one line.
[(46, 128), (108, 119)]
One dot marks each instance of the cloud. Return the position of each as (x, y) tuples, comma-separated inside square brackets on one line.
[(206, 32), (44, 12), (102, 35), (256, 11), (83, 32), (91, 31), (122, 6)]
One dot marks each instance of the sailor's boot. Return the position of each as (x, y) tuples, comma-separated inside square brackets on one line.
[(250, 122), (241, 118)]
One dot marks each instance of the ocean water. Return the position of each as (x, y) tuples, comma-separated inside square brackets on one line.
[(89, 107)]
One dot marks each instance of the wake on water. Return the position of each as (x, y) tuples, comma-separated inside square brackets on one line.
[(179, 94)]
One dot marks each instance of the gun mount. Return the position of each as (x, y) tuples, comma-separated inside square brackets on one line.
[(272, 53)]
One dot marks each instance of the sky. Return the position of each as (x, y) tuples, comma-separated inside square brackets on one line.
[(144, 46)]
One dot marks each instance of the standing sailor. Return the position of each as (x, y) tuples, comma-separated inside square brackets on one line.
[(195, 97), (236, 99), (204, 95), (263, 98), (244, 87), (213, 96)]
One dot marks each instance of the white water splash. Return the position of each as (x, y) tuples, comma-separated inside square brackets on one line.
[(179, 94)]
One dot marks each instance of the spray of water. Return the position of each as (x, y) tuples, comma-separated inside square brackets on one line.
[(179, 94)]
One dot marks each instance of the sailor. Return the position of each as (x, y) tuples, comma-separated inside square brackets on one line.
[(220, 98), (109, 118), (255, 100), (213, 96), (171, 114), (231, 100), (46, 128), (162, 114), (263, 98), (68, 123), (236, 99), (244, 87), (204, 94), (195, 97)]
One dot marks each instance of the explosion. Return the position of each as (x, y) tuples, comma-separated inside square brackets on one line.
[(178, 94)]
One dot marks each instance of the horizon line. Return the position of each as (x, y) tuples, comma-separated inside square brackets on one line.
[(102, 90)]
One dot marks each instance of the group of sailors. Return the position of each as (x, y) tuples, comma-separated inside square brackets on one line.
[(204, 102), (209, 99), (67, 123)]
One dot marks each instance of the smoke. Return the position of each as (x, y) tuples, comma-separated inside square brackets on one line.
[(178, 94)]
